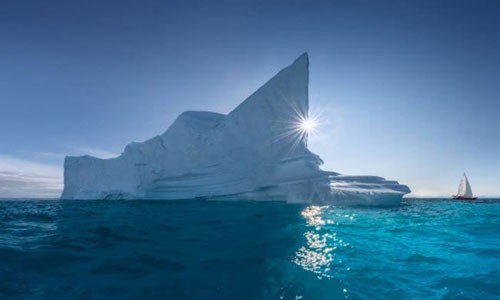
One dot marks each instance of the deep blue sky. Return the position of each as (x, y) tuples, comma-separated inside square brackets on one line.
[(408, 90)]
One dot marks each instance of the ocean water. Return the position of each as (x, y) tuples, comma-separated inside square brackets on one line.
[(433, 249)]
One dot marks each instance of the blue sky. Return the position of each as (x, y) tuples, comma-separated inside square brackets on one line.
[(408, 90)]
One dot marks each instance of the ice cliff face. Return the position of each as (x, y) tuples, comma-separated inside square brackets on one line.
[(256, 152)]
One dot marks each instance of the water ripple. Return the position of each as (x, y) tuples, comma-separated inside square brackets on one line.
[(229, 250)]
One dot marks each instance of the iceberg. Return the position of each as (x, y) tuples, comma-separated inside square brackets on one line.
[(256, 152)]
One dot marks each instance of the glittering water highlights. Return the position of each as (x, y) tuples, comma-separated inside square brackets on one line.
[(433, 249)]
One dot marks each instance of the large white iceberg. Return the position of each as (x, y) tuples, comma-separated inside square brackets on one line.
[(256, 152)]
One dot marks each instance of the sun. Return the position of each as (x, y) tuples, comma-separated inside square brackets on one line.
[(299, 127), (308, 125)]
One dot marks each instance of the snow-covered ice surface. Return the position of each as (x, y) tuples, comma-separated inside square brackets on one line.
[(256, 152)]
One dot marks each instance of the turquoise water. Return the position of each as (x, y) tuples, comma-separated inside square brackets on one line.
[(432, 249)]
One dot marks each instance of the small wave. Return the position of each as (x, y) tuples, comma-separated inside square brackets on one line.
[(206, 250)]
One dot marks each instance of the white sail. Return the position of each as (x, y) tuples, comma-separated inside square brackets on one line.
[(464, 189)]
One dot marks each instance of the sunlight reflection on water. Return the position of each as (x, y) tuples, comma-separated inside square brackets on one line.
[(318, 255), (315, 256)]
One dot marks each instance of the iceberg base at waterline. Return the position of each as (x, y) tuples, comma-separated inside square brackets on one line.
[(256, 152)]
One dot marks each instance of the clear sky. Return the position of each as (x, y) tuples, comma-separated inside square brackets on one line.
[(408, 90)]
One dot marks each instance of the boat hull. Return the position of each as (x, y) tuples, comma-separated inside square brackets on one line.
[(464, 198)]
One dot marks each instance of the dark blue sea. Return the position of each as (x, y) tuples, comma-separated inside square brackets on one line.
[(423, 249)]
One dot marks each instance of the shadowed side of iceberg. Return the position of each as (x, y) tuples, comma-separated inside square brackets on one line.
[(256, 152)]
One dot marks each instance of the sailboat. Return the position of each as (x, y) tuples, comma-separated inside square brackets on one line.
[(464, 190)]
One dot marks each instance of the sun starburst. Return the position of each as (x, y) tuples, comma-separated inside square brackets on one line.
[(299, 126), (308, 125)]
